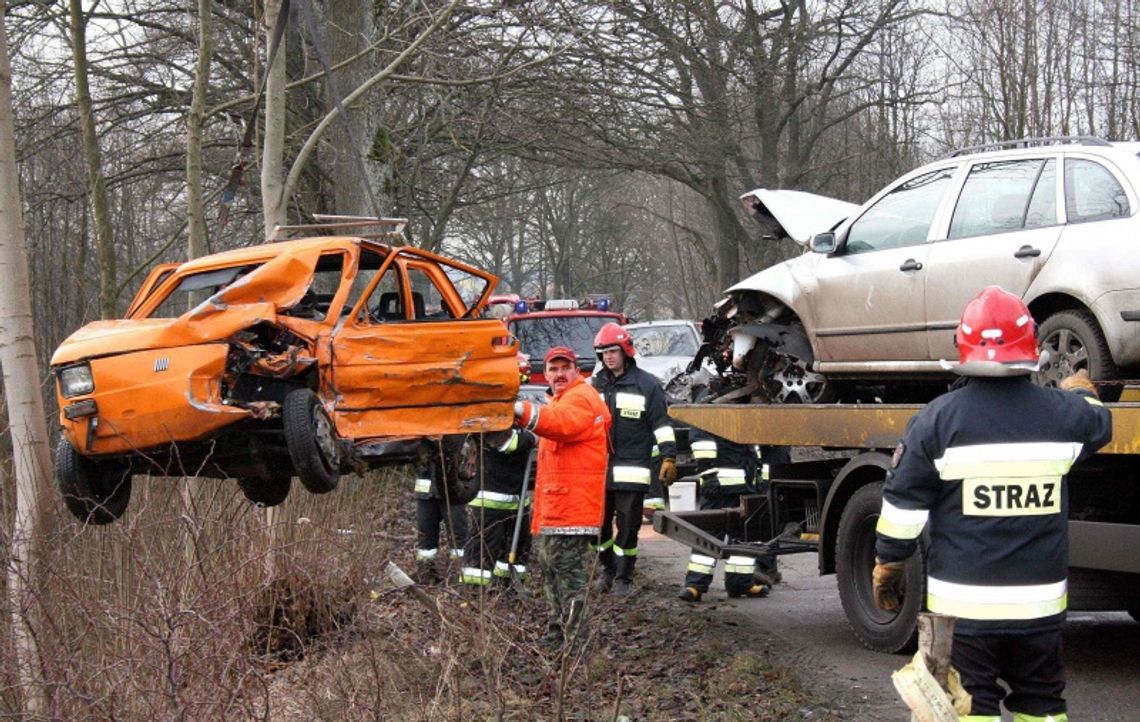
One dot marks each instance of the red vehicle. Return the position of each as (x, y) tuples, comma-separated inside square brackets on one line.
[(540, 325)]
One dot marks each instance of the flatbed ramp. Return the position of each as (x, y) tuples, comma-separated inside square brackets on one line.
[(849, 426)]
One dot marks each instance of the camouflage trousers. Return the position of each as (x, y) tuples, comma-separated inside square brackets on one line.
[(562, 559)]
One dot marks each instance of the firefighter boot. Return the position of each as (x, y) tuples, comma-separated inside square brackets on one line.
[(605, 578), (690, 594), (755, 591), (426, 574)]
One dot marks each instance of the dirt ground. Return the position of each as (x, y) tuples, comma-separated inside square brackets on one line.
[(648, 657)]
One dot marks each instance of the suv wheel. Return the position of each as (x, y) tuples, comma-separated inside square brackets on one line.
[(95, 492), (1074, 341), (312, 441)]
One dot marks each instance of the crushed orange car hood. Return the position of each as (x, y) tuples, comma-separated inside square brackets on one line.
[(278, 284)]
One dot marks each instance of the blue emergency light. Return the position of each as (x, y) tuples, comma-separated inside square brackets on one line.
[(521, 306), (603, 304)]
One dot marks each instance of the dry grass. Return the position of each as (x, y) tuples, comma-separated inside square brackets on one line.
[(208, 615)]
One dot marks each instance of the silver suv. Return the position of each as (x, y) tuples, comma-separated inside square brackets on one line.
[(877, 297)]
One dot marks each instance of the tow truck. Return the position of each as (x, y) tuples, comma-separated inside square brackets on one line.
[(826, 502)]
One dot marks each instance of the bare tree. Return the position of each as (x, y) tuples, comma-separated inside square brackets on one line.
[(27, 423)]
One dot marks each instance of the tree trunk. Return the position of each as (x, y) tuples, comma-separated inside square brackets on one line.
[(273, 197), (96, 184), (27, 425)]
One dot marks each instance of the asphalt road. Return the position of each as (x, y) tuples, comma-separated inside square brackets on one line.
[(1102, 649)]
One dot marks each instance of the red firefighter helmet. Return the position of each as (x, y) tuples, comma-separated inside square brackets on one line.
[(612, 335), (996, 336)]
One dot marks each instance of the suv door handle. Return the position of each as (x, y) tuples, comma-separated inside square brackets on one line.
[(910, 265), (1027, 252)]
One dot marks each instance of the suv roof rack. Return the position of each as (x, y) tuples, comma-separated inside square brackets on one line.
[(329, 225), (1032, 142)]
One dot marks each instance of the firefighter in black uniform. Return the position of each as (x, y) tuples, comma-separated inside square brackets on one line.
[(727, 471), (983, 467), (640, 420), (494, 510), (432, 510)]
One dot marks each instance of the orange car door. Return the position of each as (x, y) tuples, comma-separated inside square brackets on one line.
[(406, 362)]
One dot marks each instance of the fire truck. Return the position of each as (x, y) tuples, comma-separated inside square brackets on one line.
[(826, 502), (542, 324)]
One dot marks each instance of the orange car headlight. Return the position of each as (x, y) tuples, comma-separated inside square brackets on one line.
[(76, 381)]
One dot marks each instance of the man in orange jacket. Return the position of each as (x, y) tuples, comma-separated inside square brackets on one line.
[(570, 488)]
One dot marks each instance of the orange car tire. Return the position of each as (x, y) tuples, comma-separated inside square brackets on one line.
[(312, 441), (95, 492)]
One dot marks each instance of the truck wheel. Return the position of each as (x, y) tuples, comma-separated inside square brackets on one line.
[(95, 492), (311, 438), (266, 492), (461, 457), (1074, 341), (855, 559)]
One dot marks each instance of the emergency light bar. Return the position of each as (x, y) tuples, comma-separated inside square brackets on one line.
[(561, 304)]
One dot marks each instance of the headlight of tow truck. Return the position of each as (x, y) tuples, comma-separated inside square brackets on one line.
[(76, 381)]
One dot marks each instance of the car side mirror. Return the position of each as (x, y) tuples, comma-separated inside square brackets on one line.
[(823, 243)]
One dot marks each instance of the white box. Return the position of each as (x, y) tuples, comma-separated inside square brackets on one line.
[(683, 496)]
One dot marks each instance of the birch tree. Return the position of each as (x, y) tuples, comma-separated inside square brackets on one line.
[(27, 423)]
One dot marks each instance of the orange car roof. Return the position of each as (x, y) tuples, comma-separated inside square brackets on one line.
[(270, 250)]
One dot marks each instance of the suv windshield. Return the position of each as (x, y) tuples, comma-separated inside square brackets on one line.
[(536, 335), (676, 340)]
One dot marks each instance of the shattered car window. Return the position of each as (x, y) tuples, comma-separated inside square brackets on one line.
[(469, 286), (195, 287), (664, 341), (326, 281)]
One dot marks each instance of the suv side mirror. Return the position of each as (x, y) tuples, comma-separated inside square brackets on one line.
[(822, 243)]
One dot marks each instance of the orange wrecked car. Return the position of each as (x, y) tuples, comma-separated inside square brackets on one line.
[(304, 358)]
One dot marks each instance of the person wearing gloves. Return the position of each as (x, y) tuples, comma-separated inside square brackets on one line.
[(640, 421), (569, 494), (983, 467)]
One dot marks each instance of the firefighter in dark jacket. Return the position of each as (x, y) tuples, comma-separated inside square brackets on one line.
[(640, 421), (432, 510), (983, 467), (494, 511), (727, 471)]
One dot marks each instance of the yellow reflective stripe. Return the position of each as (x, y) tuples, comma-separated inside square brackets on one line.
[(656, 502), (899, 523), (475, 575), (664, 434), (980, 718), (631, 474), (730, 477), (1093, 401), (656, 451), (987, 602), (426, 554), (1043, 458), (618, 551), (604, 546), (701, 564), (704, 449), (512, 444), (423, 486), (625, 400), (1023, 717), (739, 565), (765, 472), (502, 570)]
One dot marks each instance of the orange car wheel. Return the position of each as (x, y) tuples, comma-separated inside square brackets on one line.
[(312, 441), (265, 492), (95, 492)]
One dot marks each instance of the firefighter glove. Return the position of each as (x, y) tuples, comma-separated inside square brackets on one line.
[(668, 473), (887, 582), (1079, 380)]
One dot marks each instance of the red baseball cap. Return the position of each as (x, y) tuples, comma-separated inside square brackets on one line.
[(560, 352)]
